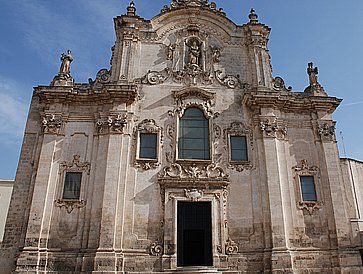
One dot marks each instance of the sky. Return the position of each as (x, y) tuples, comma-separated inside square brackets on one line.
[(35, 32)]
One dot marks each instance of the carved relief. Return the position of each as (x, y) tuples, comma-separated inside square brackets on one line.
[(193, 194), (326, 131), (231, 247), (272, 128), (279, 85), (194, 171), (75, 166), (115, 123), (70, 205), (52, 123), (156, 249), (148, 126)]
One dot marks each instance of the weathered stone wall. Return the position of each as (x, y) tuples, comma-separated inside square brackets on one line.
[(6, 188)]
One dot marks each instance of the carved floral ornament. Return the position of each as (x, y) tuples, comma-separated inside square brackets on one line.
[(194, 171), (326, 131), (272, 128), (304, 169), (148, 126), (52, 123), (114, 123)]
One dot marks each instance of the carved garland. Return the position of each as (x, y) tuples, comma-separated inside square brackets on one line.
[(148, 126), (305, 170)]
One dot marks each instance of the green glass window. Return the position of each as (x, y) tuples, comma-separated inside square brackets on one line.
[(308, 188), (72, 186), (238, 148), (148, 145), (194, 135)]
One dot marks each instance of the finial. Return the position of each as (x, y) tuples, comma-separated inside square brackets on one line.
[(253, 17), (131, 10)]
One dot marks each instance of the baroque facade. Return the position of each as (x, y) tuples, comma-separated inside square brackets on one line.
[(186, 155)]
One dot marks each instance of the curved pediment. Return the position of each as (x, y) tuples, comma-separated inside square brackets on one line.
[(194, 93)]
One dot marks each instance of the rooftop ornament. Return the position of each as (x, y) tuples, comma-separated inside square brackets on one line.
[(253, 17), (314, 88), (131, 9)]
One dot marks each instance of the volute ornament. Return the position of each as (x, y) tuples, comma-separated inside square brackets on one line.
[(156, 249), (231, 247)]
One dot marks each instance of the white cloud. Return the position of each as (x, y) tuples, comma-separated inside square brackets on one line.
[(13, 111)]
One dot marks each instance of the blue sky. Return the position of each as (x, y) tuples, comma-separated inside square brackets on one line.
[(35, 32)]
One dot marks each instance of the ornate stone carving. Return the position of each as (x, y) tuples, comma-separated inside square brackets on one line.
[(156, 77), (52, 123), (231, 247), (177, 4), (229, 81), (114, 123), (102, 77), (310, 207), (272, 129), (194, 171), (193, 194), (216, 54), (279, 85), (70, 205), (75, 166), (148, 126), (156, 249), (326, 131), (304, 169)]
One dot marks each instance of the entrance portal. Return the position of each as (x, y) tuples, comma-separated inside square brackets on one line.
[(194, 234)]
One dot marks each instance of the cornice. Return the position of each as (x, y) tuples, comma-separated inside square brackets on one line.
[(290, 101), (84, 93)]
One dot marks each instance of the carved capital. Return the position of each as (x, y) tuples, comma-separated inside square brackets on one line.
[(272, 129), (114, 124), (326, 131), (52, 123)]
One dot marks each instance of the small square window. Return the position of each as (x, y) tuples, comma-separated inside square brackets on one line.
[(148, 145), (308, 190), (72, 186), (238, 148)]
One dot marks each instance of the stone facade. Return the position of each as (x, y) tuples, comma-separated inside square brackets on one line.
[(125, 220), (6, 188)]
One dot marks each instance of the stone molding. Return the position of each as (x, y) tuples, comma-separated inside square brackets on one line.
[(304, 169), (239, 129), (147, 126)]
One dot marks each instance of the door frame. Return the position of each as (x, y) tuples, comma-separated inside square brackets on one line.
[(217, 197)]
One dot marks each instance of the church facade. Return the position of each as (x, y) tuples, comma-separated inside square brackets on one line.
[(186, 155)]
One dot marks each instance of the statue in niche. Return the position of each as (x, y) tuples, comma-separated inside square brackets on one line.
[(194, 52), (313, 74), (66, 59), (170, 51)]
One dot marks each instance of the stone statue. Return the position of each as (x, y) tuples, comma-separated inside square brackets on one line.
[(66, 59), (170, 52), (216, 54), (194, 53), (313, 74)]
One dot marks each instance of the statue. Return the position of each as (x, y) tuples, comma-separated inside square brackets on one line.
[(170, 51), (216, 54), (66, 59), (194, 52), (313, 75)]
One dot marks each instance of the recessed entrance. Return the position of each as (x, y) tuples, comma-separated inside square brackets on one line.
[(194, 234)]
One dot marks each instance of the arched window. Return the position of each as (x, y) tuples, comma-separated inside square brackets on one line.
[(193, 139)]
